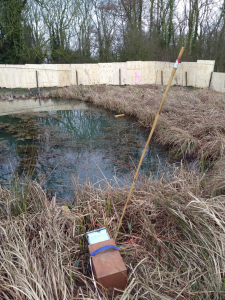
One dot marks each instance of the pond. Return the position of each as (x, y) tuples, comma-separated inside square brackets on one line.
[(61, 143)]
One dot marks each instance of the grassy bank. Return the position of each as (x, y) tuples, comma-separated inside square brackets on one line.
[(172, 241), (172, 237)]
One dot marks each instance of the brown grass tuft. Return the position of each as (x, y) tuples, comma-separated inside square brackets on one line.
[(172, 236), (172, 240), (214, 181)]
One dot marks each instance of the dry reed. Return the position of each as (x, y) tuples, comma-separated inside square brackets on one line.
[(172, 240), (172, 237)]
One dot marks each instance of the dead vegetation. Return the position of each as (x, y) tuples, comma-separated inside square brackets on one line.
[(214, 182), (172, 240), (172, 237), (28, 126)]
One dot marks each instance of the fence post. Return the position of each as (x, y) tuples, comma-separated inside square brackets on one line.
[(77, 77), (38, 89), (210, 79)]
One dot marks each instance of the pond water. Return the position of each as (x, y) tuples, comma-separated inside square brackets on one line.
[(61, 143)]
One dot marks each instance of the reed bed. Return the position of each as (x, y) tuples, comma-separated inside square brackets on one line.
[(172, 240)]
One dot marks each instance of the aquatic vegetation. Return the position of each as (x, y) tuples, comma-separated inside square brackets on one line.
[(29, 157), (191, 124), (196, 115), (28, 127), (3, 148), (85, 142)]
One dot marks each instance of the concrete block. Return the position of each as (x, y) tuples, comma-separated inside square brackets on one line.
[(134, 65), (134, 75), (49, 75), (91, 74), (162, 69), (78, 69), (9, 76), (87, 74), (148, 72), (123, 71), (218, 82), (64, 75), (30, 75), (204, 69), (4, 78), (191, 69), (132, 72), (106, 73), (16, 76)]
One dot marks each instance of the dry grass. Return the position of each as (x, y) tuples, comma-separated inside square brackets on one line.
[(172, 237), (214, 181), (172, 240)]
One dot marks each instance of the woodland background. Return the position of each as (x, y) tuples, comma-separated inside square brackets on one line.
[(90, 31)]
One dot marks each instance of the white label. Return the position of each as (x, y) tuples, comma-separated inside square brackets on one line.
[(176, 64)]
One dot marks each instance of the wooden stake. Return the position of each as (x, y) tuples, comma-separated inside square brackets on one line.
[(150, 136), (119, 76), (161, 77), (210, 79), (77, 77), (186, 79), (39, 94)]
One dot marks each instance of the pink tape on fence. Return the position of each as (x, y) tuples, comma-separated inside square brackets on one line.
[(137, 78)]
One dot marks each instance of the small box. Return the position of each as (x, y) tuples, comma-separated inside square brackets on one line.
[(108, 267)]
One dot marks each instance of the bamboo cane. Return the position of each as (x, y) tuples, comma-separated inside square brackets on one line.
[(150, 135), (119, 116)]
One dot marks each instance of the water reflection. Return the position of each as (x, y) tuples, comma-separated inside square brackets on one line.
[(23, 106), (85, 142)]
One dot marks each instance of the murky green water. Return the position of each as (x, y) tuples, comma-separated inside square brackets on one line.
[(73, 142)]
